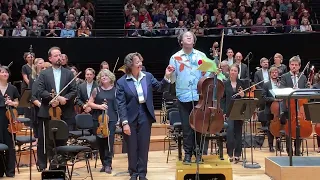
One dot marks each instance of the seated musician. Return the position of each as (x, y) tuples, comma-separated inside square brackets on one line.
[(291, 80), (7, 166), (268, 97), (105, 93), (234, 129), (278, 58), (262, 73), (85, 90)]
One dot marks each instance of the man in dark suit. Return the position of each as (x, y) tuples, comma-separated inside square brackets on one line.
[(243, 73), (135, 104), (85, 90), (291, 80), (54, 78), (269, 99), (262, 74)]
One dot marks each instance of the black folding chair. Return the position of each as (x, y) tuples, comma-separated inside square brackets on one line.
[(175, 132), (58, 130)]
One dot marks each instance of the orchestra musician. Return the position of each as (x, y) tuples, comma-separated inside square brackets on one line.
[(64, 61), (26, 72), (262, 74), (7, 167), (55, 78), (288, 80), (243, 68), (234, 130), (186, 80), (104, 65), (230, 59), (85, 90), (278, 58), (316, 85), (106, 91), (225, 68), (75, 71), (268, 97), (136, 111)]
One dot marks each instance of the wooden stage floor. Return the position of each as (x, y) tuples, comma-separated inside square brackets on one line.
[(158, 169)]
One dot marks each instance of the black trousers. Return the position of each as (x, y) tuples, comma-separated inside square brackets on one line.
[(8, 158), (106, 144), (318, 141), (45, 145), (191, 138), (138, 143), (234, 138)]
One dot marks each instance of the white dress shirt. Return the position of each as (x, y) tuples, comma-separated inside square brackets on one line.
[(138, 86), (89, 88), (57, 78), (230, 62), (265, 75), (239, 74)]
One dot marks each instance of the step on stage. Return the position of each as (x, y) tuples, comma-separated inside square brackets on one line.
[(212, 169), (305, 168)]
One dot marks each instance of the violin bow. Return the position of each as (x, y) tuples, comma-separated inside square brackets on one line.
[(10, 64), (307, 66), (114, 68), (221, 47)]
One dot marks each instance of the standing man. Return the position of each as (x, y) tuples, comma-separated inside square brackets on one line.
[(230, 58), (64, 61), (243, 73), (262, 74), (54, 78), (186, 77)]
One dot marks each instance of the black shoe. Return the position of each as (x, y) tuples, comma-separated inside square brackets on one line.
[(142, 178), (108, 169), (133, 178), (102, 169), (271, 149), (187, 159)]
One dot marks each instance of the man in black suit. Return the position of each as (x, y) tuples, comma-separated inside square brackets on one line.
[(54, 78), (243, 73), (85, 89), (262, 74), (269, 99), (291, 80)]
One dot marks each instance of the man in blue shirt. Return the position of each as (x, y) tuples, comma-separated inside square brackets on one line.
[(186, 77)]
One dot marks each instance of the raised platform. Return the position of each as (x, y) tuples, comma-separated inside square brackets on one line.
[(212, 168), (303, 167)]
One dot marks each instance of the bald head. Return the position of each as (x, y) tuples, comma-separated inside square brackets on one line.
[(238, 57)]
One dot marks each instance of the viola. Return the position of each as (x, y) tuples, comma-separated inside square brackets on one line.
[(14, 125), (207, 115), (103, 119), (55, 112)]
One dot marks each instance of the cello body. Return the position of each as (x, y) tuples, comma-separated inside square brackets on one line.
[(305, 125), (207, 116), (275, 124)]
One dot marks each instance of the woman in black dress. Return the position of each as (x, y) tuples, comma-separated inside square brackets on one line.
[(234, 129), (105, 92), (5, 136)]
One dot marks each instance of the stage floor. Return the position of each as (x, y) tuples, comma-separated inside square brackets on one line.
[(158, 169)]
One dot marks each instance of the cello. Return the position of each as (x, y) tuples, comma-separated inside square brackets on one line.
[(207, 116), (103, 119), (275, 124), (298, 118)]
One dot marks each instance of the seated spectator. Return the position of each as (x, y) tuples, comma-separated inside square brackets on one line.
[(228, 30), (258, 28), (1, 32), (68, 32), (19, 30), (35, 30), (43, 11), (87, 18), (57, 23), (71, 19), (52, 31), (238, 29), (135, 31), (305, 26), (83, 30), (247, 20), (292, 27), (173, 22), (149, 31), (130, 23), (276, 28), (196, 29), (162, 29), (4, 21), (180, 29)]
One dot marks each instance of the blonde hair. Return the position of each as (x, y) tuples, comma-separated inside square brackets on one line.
[(106, 72), (34, 67), (47, 65)]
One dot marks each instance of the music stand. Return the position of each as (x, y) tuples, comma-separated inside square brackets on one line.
[(26, 103), (242, 109)]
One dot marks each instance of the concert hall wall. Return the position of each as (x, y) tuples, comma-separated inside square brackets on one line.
[(89, 52)]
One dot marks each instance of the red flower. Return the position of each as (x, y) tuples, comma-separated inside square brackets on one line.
[(200, 62)]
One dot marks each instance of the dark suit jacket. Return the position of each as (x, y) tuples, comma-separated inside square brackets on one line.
[(228, 93), (127, 97), (82, 94), (46, 84), (258, 76), (286, 81), (267, 96), (244, 71)]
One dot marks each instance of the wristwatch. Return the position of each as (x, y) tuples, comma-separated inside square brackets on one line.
[(124, 123)]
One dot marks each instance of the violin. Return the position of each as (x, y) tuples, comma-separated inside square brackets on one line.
[(103, 119), (55, 112), (12, 114)]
